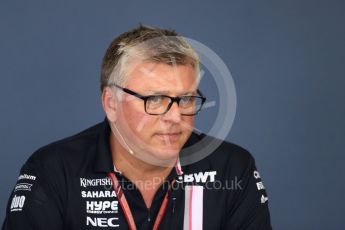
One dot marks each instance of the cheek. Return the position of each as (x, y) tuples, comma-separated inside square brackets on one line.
[(188, 123), (139, 122)]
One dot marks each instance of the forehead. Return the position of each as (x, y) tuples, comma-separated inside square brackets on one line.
[(160, 77)]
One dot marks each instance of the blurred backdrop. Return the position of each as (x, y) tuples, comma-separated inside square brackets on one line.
[(286, 59)]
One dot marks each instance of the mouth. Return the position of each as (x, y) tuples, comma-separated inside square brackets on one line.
[(169, 137)]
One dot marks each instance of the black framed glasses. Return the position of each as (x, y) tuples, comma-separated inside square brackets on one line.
[(189, 105)]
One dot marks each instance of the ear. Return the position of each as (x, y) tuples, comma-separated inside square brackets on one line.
[(109, 104)]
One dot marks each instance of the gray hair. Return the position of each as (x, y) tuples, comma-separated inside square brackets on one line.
[(146, 43)]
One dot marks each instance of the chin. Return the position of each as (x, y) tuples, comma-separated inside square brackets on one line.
[(165, 153)]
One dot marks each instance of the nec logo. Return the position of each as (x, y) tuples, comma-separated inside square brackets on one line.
[(198, 177), (102, 222)]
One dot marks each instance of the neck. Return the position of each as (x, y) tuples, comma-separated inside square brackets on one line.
[(147, 177), (133, 168)]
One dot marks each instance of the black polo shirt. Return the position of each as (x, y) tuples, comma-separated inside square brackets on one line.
[(65, 185)]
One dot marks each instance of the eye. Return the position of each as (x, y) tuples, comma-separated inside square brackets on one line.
[(185, 100), (155, 99)]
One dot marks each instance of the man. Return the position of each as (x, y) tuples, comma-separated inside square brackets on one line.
[(126, 173)]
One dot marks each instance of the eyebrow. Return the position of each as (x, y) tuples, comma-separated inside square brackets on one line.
[(167, 92)]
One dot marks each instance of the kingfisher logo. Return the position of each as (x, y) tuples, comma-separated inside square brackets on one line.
[(84, 182)]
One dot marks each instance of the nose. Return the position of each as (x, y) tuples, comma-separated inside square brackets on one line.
[(173, 114)]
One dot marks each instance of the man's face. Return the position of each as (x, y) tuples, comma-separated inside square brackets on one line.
[(157, 136)]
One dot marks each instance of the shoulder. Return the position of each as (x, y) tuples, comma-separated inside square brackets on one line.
[(233, 155), (222, 156), (73, 148)]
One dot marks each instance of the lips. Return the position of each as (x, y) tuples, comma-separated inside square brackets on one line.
[(172, 136)]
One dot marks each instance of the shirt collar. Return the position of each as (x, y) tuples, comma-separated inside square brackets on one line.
[(103, 159)]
